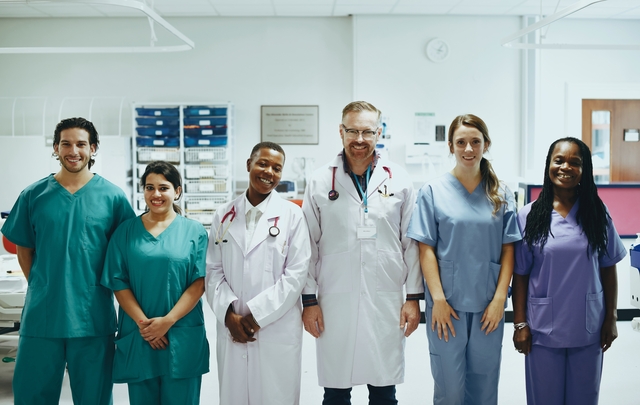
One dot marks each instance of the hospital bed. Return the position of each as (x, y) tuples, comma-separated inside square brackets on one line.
[(13, 288)]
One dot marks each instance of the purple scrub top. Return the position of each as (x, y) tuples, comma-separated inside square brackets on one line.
[(565, 303)]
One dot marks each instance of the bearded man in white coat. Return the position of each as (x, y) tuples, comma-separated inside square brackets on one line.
[(358, 208), (257, 263)]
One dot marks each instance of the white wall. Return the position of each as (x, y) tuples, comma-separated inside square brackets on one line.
[(479, 77), (248, 61), (567, 76)]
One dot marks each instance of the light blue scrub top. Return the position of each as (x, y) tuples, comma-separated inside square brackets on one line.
[(467, 237), (69, 233), (565, 300), (158, 270)]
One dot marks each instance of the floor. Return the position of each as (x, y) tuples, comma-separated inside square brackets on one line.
[(621, 371)]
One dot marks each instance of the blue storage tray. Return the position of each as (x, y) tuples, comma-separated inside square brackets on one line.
[(199, 111), (205, 121), (157, 141), (158, 131), (213, 131), (158, 112), (208, 141), (158, 122), (635, 259)]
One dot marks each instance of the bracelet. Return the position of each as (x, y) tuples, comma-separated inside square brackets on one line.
[(519, 326)]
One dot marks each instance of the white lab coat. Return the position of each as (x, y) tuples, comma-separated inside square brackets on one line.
[(359, 282), (266, 278)]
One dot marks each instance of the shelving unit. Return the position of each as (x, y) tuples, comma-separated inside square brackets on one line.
[(198, 139)]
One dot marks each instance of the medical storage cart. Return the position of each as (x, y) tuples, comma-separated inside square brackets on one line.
[(195, 137)]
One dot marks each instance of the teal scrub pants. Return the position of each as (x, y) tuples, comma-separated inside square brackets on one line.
[(37, 378), (165, 391), (466, 369)]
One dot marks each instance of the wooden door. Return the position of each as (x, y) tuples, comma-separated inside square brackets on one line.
[(624, 156)]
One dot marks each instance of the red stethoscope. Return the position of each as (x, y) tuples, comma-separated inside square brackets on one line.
[(333, 194), (273, 230)]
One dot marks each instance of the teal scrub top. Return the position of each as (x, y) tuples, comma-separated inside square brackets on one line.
[(70, 234), (158, 270)]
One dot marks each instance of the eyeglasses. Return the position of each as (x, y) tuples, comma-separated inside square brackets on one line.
[(367, 134)]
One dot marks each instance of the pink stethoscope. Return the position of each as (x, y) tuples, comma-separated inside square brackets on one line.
[(273, 230), (333, 193)]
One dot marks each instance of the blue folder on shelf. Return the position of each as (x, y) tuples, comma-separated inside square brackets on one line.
[(157, 141), (158, 112)]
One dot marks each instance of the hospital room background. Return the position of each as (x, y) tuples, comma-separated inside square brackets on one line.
[(325, 53)]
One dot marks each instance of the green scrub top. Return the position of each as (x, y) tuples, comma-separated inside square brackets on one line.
[(158, 270), (70, 234)]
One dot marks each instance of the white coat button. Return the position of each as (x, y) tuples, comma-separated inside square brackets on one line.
[(244, 356), (362, 264)]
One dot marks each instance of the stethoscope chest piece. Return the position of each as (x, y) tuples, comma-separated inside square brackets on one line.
[(274, 231), (333, 195)]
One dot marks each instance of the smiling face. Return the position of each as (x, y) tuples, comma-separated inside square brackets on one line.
[(74, 150), (468, 145), (359, 148), (265, 170), (159, 194), (565, 166)]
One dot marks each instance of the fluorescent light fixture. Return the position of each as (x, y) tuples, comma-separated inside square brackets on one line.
[(135, 4), (508, 41)]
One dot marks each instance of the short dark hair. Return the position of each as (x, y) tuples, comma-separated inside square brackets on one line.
[(268, 145), (169, 172), (80, 123)]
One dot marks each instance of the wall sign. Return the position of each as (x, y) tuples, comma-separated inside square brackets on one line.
[(289, 124)]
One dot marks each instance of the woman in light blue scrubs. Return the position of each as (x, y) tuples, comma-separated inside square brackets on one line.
[(465, 224), (155, 265)]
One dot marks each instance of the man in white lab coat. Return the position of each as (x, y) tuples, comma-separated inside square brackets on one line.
[(257, 263), (358, 208)]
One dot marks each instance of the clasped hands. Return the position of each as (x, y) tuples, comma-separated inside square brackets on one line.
[(154, 331), (242, 328)]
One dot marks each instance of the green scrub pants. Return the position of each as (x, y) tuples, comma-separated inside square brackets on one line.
[(166, 391), (37, 378)]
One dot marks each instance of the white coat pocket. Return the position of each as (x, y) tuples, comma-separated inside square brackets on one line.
[(335, 273)]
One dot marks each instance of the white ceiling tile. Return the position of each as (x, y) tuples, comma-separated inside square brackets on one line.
[(187, 3), (67, 10), (304, 3), (410, 10), (225, 3), (308, 10), (427, 3), (116, 11), (245, 11), (354, 9), (19, 11), (365, 3), (191, 11), (467, 9)]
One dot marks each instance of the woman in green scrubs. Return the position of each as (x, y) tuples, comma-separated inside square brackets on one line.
[(155, 265)]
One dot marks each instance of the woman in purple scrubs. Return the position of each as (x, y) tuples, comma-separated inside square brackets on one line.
[(565, 285)]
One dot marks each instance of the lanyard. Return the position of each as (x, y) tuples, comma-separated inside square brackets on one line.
[(364, 195)]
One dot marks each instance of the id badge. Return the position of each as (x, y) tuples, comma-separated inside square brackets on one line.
[(366, 232)]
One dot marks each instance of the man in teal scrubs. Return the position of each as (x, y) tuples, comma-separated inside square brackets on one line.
[(61, 226)]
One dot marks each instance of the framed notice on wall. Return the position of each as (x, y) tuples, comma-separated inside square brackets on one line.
[(289, 124)]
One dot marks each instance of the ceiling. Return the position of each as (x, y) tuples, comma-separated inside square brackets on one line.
[(619, 9)]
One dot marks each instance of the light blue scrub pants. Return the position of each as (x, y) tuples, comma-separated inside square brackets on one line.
[(465, 370), (563, 376), (37, 378), (166, 391)]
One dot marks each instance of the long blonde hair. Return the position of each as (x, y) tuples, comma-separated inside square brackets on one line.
[(489, 177)]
